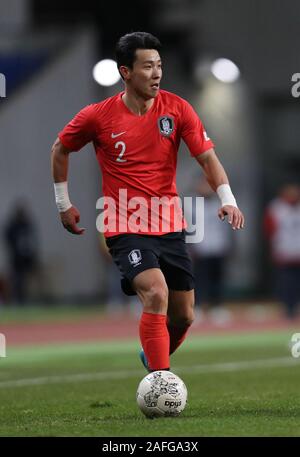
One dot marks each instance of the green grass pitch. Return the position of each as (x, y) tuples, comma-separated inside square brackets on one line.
[(238, 385)]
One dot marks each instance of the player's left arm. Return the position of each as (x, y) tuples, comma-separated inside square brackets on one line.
[(218, 180)]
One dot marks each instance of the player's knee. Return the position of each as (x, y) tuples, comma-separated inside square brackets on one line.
[(188, 320), (183, 320), (189, 317), (156, 299)]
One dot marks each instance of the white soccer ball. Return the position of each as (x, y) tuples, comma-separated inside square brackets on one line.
[(161, 393)]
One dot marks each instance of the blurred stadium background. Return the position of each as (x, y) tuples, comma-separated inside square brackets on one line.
[(47, 54), (48, 50)]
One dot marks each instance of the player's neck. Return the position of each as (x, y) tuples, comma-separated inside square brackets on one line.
[(135, 103)]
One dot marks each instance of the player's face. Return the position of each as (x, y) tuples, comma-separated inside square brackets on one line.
[(146, 73)]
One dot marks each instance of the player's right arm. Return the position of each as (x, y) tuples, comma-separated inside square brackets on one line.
[(75, 135), (69, 215)]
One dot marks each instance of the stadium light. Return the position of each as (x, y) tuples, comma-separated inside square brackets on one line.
[(225, 70), (106, 72)]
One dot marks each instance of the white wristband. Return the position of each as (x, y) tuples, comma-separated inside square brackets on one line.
[(226, 196), (62, 196)]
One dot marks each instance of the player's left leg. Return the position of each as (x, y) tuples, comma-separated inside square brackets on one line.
[(180, 316), (176, 265)]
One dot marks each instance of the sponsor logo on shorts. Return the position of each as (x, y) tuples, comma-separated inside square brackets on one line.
[(135, 257)]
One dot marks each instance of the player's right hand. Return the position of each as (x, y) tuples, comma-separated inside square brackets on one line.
[(69, 219)]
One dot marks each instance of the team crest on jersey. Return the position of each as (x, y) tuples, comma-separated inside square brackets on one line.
[(166, 125), (135, 257)]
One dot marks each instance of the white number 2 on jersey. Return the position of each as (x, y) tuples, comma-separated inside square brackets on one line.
[(123, 149)]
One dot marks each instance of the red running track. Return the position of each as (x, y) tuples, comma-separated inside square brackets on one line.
[(20, 334)]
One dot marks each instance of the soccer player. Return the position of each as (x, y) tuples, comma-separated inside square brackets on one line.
[(136, 136)]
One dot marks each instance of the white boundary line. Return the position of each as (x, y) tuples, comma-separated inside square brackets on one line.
[(110, 375)]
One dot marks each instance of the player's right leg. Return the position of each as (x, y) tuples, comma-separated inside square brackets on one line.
[(151, 288), (137, 258)]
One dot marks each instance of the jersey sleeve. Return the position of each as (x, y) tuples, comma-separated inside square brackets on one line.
[(193, 132), (80, 130)]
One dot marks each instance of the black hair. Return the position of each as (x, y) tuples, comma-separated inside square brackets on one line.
[(129, 43)]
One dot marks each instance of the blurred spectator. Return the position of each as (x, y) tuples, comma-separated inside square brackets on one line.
[(210, 256), (21, 240), (282, 228)]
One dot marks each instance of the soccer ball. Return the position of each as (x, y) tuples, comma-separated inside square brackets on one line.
[(161, 393)]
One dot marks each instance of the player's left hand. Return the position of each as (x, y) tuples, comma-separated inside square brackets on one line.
[(235, 216)]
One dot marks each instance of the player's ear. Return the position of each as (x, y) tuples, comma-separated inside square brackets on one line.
[(125, 72)]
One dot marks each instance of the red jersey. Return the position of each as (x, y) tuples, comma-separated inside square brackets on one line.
[(138, 157)]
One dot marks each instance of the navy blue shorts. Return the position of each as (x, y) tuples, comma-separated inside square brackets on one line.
[(134, 253)]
